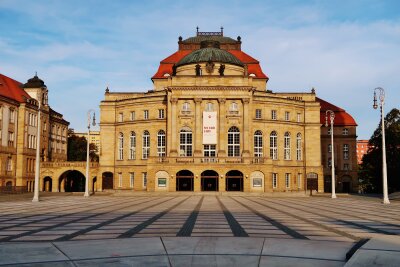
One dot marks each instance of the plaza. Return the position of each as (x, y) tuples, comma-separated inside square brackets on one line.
[(204, 229)]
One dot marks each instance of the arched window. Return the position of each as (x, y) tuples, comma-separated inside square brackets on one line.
[(209, 106), (146, 145), (273, 145), (345, 131), (186, 140), (298, 147), (121, 146), (258, 144), (132, 145), (286, 146), (233, 142), (161, 143)]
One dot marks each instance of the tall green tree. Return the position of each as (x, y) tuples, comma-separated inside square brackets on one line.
[(76, 150), (370, 172)]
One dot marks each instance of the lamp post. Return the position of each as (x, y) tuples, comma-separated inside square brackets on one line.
[(384, 172), (332, 117), (87, 152), (37, 167)]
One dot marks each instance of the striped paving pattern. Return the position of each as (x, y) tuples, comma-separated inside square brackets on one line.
[(64, 218)]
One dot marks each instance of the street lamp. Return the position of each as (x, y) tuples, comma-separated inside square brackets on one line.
[(384, 172), (37, 168), (87, 152), (332, 117)]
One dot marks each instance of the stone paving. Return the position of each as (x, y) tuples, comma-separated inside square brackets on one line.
[(295, 221)]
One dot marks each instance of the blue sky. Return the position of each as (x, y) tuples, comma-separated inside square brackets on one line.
[(342, 48)]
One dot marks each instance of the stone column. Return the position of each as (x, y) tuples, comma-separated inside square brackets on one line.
[(246, 128), (173, 152), (221, 133), (198, 128)]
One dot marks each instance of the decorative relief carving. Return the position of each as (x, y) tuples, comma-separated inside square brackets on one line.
[(174, 100)]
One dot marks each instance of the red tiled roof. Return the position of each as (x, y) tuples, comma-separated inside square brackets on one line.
[(12, 89), (166, 64), (342, 118)]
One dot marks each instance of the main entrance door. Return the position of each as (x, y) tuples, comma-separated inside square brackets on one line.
[(209, 181), (234, 181), (108, 180), (184, 181)]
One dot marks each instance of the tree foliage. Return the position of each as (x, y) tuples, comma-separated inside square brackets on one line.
[(76, 150), (370, 173)]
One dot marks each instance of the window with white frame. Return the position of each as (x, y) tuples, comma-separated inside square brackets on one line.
[(210, 151), (258, 144), (131, 179), (146, 145), (345, 131), (186, 107), (10, 138), (298, 117), (299, 180), (257, 182), (161, 143), (146, 114), (144, 176), (12, 115), (209, 106), (273, 115), (287, 180), (161, 114), (258, 113), (234, 107), (233, 142), (133, 115), (329, 162), (287, 115), (9, 164), (121, 146), (346, 167), (299, 147), (120, 117), (286, 146), (345, 151), (162, 182), (274, 180), (185, 142), (273, 145), (132, 145), (120, 179), (329, 148)]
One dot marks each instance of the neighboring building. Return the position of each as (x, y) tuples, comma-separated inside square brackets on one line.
[(210, 124), (344, 139), (18, 131), (362, 149), (94, 138)]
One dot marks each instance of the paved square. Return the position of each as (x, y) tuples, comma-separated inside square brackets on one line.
[(72, 217)]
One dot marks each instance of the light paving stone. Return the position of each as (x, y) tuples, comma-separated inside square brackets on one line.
[(148, 261), (382, 258), (271, 261), (214, 260)]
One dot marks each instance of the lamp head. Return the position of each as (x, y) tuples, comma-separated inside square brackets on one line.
[(94, 119), (375, 106), (326, 119)]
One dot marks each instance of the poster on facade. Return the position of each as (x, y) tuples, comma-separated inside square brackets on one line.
[(209, 128)]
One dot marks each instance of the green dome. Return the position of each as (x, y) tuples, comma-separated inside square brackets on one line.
[(210, 54)]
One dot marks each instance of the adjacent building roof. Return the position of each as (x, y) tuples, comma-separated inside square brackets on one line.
[(12, 89), (342, 118)]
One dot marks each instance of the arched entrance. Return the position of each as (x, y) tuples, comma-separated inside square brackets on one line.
[(234, 181), (184, 180), (108, 180), (94, 185), (209, 181), (72, 181), (9, 186), (47, 184)]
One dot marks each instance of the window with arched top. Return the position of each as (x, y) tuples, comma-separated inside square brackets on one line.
[(132, 145), (273, 145), (299, 146), (161, 143), (121, 146), (146, 145), (286, 146), (233, 142), (258, 144), (185, 142)]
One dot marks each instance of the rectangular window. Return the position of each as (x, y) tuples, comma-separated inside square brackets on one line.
[(146, 114), (274, 180), (287, 180), (120, 117), (9, 164), (132, 115), (161, 114), (131, 179), (258, 113), (144, 175), (119, 179), (257, 182), (299, 180), (346, 167), (329, 148), (287, 115), (329, 162), (209, 151), (10, 139), (345, 151), (298, 117), (12, 116), (273, 115), (162, 182)]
